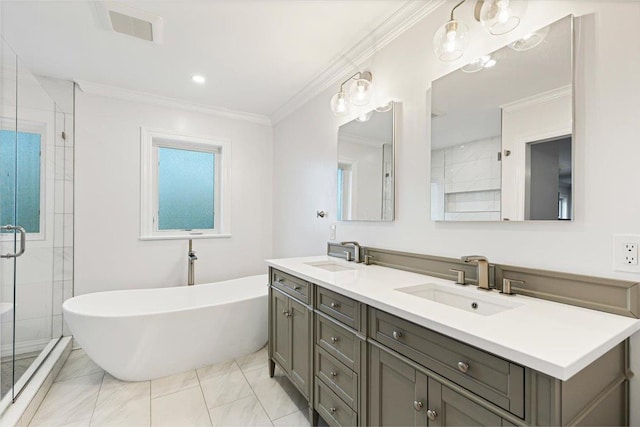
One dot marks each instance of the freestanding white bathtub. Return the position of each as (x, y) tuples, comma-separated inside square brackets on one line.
[(138, 335)]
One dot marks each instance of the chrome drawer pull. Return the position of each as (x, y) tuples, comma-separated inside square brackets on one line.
[(396, 335), (417, 405), (335, 305), (431, 415), (333, 410), (280, 282), (334, 339), (286, 313), (463, 367), (333, 374), (296, 288)]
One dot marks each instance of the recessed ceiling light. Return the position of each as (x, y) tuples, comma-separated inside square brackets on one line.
[(197, 78)]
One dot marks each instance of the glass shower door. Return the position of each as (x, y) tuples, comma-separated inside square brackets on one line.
[(33, 242), (8, 239)]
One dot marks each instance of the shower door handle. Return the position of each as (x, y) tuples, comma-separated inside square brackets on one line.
[(23, 240)]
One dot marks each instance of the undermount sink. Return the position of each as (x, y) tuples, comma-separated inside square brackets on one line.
[(462, 299), (329, 266)]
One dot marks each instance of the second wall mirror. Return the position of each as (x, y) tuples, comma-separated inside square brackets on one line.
[(366, 190), (502, 133)]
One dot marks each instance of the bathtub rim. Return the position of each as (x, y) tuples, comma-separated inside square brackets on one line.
[(67, 310)]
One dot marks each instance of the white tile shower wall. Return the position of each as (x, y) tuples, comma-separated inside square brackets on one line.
[(606, 142), (108, 252), (35, 303)]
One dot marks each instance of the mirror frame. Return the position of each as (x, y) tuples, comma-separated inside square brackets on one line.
[(572, 85)]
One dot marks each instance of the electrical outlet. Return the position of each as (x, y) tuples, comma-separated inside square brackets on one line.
[(332, 232), (626, 253), (631, 253)]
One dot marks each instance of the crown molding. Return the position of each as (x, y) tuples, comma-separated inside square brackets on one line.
[(403, 19), (163, 101), (539, 98)]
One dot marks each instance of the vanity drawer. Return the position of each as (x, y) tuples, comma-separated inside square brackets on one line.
[(337, 341), (340, 379), (290, 285), (339, 307), (484, 374), (332, 409)]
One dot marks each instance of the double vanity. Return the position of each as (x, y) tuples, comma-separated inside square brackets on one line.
[(372, 345)]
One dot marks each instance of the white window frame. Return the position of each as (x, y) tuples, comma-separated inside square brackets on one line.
[(150, 141), (28, 126)]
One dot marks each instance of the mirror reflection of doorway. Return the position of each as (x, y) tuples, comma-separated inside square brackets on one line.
[(549, 179)]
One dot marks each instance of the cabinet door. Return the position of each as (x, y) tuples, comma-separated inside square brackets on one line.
[(452, 409), (300, 336), (397, 392), (280, 329)]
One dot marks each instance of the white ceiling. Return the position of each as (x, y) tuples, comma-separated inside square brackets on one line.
[(256, 55)]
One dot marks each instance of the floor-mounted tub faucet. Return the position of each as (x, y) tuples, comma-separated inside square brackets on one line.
[(191, 280), (483, 269)]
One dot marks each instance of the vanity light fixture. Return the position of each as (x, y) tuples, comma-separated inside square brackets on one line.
[(530, 40), (451, 38), (499, 16), (364, 117), (479, 64), (384, 107), (197, 78), (359, 93)]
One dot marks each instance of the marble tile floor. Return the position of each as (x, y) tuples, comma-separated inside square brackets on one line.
[(235, 393)]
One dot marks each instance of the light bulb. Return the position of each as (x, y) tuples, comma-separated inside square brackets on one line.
[(340, 104), (360, 92), (500, 16), (450, 40)]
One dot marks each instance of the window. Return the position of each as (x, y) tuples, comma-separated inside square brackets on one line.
[(22, 175), (183, 186)]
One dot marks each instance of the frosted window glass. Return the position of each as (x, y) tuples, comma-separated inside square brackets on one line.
[(21, 151), (185, 189)]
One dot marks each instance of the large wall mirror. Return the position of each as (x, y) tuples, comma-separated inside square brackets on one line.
[(366, 166), (502, 133)]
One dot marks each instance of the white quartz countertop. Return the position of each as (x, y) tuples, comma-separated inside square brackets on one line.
[(556, 339)]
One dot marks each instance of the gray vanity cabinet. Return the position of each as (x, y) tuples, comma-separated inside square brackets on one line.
[(396, 389), (291, 331), (358, 365), (400, 394)]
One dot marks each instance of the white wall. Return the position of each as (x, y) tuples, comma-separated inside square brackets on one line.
[(109, 254), (606, 153)]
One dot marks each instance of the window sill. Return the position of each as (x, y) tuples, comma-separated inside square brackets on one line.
[(186, 237)]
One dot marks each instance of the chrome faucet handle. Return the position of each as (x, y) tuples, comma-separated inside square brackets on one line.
[(367, 259), (460, 279), (506, 286), (356, 249), (348, 255)]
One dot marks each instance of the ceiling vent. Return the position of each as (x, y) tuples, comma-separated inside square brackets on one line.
[(133, 22)]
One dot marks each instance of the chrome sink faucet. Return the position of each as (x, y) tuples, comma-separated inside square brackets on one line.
[(191, 279), (356, 247), (483, 269)]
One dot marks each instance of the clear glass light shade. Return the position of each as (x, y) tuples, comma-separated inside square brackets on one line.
[(360, 92), (385, 107), (451, 40), (530, 41), (501, 16), (340, 104), (364, 117), (479, 64)]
